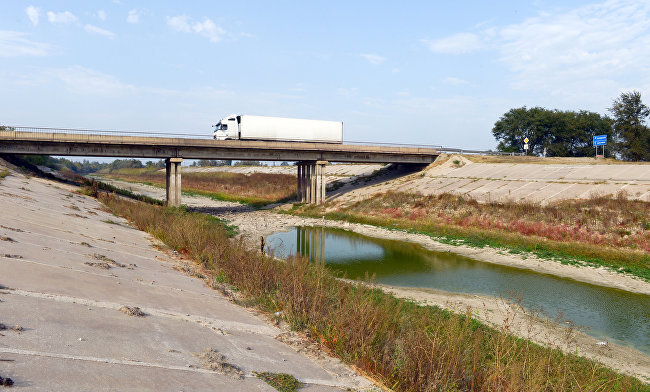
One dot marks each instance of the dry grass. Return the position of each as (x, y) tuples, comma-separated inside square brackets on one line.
[(406, 346), (132, 311), (106, 262), (616, 222), (255, 188), (216, 362), (547, 161)]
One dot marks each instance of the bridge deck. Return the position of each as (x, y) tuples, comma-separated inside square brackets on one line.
[(85, 144)]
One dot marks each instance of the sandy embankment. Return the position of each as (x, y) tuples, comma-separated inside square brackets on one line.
[(253, 224)]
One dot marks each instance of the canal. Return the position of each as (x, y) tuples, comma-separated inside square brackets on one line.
[(605, 313)]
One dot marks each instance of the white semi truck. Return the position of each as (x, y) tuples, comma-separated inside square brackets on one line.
[(247, 127)]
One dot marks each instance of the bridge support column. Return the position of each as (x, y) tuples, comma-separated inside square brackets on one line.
[(311, 182), (299, 184), (173, 181), (320, 182)]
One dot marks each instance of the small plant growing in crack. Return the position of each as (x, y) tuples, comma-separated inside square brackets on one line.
[(132, 311), (283, 382)]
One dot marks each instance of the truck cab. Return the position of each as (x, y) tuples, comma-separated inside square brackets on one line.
[(227, 128)]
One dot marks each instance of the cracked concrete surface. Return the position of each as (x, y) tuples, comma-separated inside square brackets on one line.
[(74, 336)]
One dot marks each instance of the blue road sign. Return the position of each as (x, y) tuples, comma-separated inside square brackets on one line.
[(600, 140)]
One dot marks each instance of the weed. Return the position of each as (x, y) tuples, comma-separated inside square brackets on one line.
[(12, 229), (77, 216), (4, 173), (112, 222), (106, 262), (283, 382), (102, 265), (132, 311), (215, 361)]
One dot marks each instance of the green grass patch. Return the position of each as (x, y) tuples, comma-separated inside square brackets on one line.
[(220, 196), (91, 187), (283, 382), (4, 173)]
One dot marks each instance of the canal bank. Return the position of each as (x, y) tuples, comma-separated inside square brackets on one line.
[(538, 307), (494, 311), (254, 224)]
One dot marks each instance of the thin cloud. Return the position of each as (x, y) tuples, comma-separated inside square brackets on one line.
[(207, 28), (453, 81), (373, 58), (455, 44), (83, 80), (61, 17), (578, 55), (595, 42), (133, 17), (98, 30), (14, 44), (33, 13), (347, 92), (101, 14)]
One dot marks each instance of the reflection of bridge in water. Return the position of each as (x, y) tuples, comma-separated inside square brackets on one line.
[(310, 243)]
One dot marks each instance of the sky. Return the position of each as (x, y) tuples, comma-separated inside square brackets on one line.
[(415, 72)]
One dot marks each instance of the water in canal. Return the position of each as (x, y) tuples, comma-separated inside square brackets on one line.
[(611, 314)]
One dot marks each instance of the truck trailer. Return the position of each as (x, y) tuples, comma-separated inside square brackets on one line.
[(247, 127)]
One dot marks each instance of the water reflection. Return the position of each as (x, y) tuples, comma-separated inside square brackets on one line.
[(607, 313)]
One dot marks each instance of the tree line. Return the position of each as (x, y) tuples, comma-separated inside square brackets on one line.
[(558, 133)]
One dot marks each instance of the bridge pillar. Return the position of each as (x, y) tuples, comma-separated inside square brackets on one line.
[(311, 182), (319, 189), (299, 184), (173, 181)]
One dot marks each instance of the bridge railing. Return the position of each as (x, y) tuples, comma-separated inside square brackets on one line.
[(461, 151), (77, 131)]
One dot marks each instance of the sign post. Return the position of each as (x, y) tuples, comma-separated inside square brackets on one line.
[(526, 145), (600, 140)]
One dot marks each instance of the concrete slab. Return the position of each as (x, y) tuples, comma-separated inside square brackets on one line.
[(524, 181), (74, 337)]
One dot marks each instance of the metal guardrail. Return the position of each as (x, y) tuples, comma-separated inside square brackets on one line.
[(461, 151), (77, 131)]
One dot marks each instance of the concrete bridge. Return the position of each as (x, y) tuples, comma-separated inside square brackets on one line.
[(311, 158)]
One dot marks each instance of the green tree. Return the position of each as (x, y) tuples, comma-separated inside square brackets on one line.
[(550, 132), (573, 133), (631, 135), (515, 126)]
